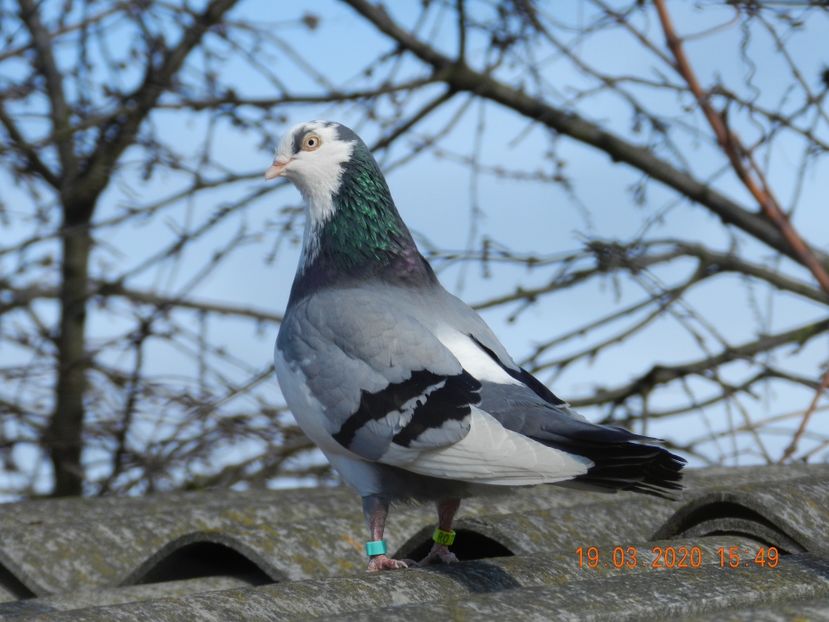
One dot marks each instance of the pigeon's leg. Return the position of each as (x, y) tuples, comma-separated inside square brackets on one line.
[(376, 508), (440, 553)]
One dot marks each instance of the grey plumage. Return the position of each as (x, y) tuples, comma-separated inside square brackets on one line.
[(404, 387), (355, 341)]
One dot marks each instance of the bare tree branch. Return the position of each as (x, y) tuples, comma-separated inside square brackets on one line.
[(737, 154), (660, 374), (35, 163), (59, 111), (463, 78), (119, 131)]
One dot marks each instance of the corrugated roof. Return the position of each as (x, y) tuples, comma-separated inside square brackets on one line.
[(276, 555)]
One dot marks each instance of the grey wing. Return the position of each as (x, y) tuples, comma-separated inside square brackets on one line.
[(524, 390), (380, 376), (524, 405), (621, 460), (520, 402)]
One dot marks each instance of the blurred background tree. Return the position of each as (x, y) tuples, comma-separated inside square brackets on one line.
[(632, 193)]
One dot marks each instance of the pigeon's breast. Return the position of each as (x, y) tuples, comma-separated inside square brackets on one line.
[(306, 409)]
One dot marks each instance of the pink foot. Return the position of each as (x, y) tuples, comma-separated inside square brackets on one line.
[(384, 562), (439, 554)]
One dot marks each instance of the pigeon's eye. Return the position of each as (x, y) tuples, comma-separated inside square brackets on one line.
[(311, 142)]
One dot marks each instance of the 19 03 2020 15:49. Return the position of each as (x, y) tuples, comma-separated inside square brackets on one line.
[(674, 557)]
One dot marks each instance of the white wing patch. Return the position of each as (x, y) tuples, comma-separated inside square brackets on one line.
[(491, 454), (472, 358)]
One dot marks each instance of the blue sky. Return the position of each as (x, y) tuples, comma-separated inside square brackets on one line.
[(433, 195)]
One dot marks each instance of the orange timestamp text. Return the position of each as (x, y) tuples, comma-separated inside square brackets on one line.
[(674, 557)]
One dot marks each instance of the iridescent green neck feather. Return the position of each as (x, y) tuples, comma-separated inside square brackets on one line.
[(365, 226), (365, 238)]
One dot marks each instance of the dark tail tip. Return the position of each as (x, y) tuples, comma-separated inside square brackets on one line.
[(647, 469)]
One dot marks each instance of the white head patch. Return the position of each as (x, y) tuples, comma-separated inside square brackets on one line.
[(318, 173)]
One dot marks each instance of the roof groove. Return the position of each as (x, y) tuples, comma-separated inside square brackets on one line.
[(550, 577), (83, 557)]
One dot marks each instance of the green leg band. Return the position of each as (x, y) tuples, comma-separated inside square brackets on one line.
[(446, 538)]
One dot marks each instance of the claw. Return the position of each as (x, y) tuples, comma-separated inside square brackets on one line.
[(384, 562), (439, 554)]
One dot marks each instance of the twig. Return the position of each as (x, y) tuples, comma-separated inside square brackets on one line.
[(738, 155), (824, 384), (744, 165), (661, 374), (462, 77)]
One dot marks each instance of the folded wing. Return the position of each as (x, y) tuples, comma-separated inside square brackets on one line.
[(390, 391)]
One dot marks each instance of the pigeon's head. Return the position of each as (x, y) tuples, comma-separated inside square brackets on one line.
[(350, 213), (313, 156)]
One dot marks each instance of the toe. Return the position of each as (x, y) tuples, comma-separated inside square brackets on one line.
[(383, 562), (438, 555)]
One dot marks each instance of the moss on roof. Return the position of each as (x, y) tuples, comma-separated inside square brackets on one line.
[(273, 555)]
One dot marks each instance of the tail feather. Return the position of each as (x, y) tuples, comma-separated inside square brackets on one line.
[(622, 460)]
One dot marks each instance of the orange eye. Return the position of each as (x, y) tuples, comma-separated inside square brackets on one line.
[(311, 142)]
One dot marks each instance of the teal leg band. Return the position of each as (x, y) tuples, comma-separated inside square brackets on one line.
[(376, 547)]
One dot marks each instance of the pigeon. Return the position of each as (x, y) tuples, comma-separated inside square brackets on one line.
[(404, 388)]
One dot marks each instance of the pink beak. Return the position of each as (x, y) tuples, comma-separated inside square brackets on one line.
[(277, 168)]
